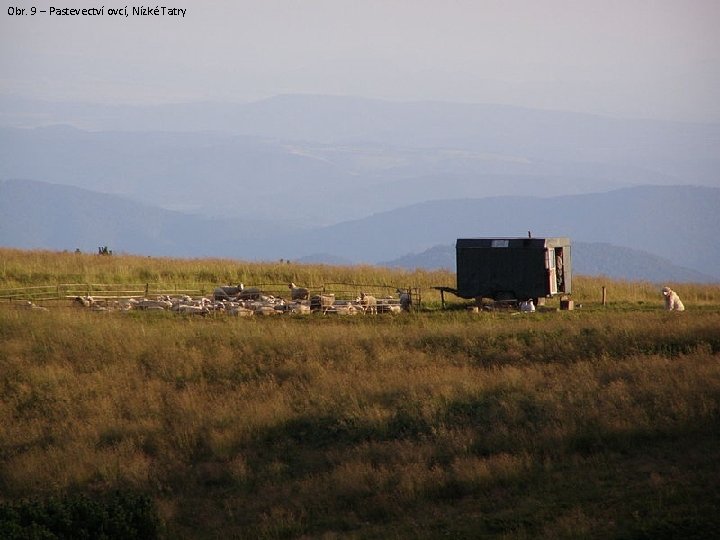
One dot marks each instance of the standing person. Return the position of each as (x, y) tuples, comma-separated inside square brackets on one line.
[(672, 300)]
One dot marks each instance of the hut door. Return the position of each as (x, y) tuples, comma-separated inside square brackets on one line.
[(559, 269), (550, 265)]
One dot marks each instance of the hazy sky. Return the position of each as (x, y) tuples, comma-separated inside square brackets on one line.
[(640, 58)]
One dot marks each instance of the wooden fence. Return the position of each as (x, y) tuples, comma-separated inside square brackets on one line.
[(115, 291), (40, 293)]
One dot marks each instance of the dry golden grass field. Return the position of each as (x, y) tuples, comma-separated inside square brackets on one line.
[(602, 422)]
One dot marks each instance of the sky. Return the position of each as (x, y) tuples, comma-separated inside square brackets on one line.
[(626, 58)]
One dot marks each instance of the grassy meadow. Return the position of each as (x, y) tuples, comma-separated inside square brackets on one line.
[(602, 422)]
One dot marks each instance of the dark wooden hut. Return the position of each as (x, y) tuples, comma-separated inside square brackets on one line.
[(513, 268)]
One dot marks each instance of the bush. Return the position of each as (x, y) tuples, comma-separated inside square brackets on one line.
[(119, 515)]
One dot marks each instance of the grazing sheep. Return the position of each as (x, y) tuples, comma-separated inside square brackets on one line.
[(298, 293), (672, 300), (368, 303)]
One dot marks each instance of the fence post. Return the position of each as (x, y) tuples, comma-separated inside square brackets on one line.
[(604, 296)]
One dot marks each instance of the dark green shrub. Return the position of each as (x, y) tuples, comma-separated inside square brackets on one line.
[(116, 516)]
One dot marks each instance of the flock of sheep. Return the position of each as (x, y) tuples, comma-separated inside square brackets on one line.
[(244, 301)]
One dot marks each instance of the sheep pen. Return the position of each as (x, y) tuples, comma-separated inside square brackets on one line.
[(235, 300)]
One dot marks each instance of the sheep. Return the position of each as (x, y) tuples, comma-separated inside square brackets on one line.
[(84, 301), (672, 300), (29, 305), (226, 292), (322, 302), (188, 309), (248, 293), (298, 293), (126, 304), (91, 303), (266, 310), (388, 304), (344, 309), (368, 303), (153, 304), (389, 308), (298, 308), (240, 311)]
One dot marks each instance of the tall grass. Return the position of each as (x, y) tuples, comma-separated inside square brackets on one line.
[(22, 268), (590, 423), (258, 428)]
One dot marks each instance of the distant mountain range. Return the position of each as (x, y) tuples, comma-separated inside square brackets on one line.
[(677, 223), (552, 136), (51, 216), (306, 177), (656, 233), (321, 160)]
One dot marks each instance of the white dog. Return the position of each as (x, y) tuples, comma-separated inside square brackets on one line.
[(672, 300)]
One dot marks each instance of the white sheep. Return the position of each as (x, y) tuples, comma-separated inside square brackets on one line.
[(368, 303), (322, 302), (240, 311), (388, 304), (298, 308), (124, 304), (29, 305), (392, 308), (153, 304), (298, 293), (266, 310), (672, 300), (188, 309), (91, 303)]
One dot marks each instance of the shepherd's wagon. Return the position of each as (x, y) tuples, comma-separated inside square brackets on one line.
[(507, 269)]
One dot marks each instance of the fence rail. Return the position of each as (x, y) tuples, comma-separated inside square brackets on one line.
[(99, 290)]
